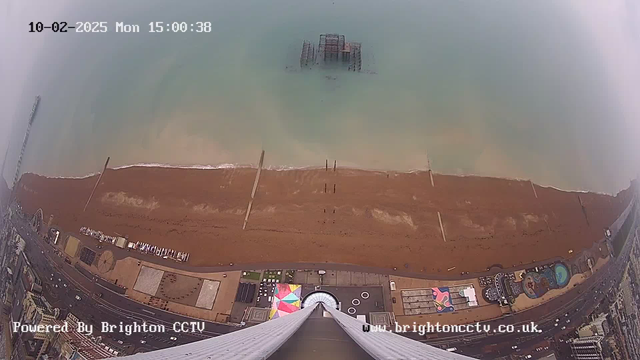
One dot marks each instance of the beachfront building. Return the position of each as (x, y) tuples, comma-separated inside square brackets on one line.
[(597, 326), (587, 348), (36, 312)]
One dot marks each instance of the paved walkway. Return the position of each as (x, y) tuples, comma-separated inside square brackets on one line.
[(122, 253)]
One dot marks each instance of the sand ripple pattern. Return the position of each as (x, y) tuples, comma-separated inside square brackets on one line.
[(122, 199)]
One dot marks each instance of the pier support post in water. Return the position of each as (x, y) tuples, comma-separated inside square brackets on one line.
[(253, 192), (326, 165), (96, 185), (335, 162)]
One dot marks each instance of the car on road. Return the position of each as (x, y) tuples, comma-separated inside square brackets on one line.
[(98, 294), (78, 298), (120, 342), (143, 341), (528, 357), (514, 347), (563, 328), (173, 338), (568, 321)]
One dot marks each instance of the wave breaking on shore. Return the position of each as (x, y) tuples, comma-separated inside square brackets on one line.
[(290, 168)]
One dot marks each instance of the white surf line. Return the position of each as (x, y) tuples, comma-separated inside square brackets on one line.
[(291, 167), (441, 227)]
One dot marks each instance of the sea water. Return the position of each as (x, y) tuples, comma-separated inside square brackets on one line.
[(490, 88)]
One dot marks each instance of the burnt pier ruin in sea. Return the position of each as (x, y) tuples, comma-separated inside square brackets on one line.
[(332, 51)]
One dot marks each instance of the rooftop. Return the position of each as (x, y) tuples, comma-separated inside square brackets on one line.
[(40, 303), (84, 345)]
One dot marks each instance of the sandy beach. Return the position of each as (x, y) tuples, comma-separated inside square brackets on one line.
[(374, 218)]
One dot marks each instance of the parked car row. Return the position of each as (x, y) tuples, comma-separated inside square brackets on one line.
[(164, 253)]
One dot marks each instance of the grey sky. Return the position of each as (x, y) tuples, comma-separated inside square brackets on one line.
[(23, 53), (20, 52)]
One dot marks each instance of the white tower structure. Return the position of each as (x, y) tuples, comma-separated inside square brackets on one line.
[(271, 340)]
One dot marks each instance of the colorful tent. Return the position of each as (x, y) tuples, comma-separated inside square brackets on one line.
[(286, 299)]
